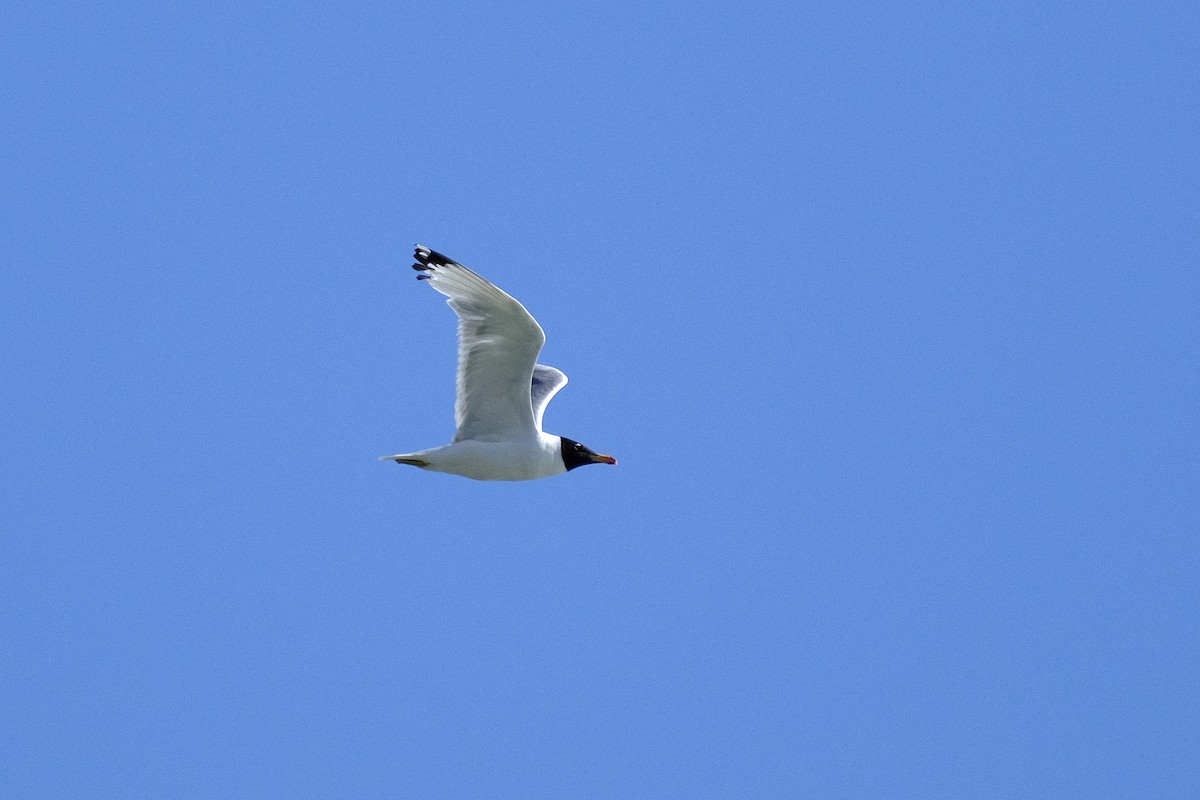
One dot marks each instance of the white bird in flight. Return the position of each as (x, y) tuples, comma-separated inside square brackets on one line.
[(502, 391)]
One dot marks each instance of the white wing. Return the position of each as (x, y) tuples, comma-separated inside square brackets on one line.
[(546, 383), (498, 343)]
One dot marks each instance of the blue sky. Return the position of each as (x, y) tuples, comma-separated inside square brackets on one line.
[(887, 310)]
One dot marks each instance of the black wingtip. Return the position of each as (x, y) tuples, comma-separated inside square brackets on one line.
[(427, 258)]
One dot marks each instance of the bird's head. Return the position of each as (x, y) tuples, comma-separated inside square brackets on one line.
[(575, 455)]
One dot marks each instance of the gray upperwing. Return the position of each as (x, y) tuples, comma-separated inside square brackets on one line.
[(546, 383)]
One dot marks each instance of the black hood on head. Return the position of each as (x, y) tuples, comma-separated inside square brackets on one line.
[(576, 455)]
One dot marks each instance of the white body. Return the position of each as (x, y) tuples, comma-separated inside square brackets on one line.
[(512, 460)]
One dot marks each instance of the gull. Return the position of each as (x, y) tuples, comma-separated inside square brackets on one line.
[(502, 391)]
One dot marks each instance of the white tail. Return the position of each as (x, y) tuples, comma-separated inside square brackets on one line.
[(405, 458)]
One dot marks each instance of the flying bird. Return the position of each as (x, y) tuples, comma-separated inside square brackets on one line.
[(502, 391)]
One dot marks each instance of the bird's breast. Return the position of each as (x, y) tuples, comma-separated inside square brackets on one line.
[(498, 461)]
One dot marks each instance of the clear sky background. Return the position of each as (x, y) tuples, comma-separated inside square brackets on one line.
[(889, 312)]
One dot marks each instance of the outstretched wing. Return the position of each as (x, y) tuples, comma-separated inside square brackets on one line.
[(498, 343), (546, 383)]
